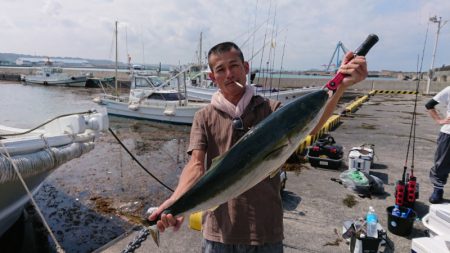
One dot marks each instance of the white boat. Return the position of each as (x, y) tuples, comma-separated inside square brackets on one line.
[(199, 87), (39, 152), (284, 96), (54, 76), (152, 99)]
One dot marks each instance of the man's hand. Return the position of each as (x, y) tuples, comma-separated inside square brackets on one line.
[(354, 69), (167, 220), (444, 121)]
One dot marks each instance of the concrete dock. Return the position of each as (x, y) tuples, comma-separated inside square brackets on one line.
[(313, 204)]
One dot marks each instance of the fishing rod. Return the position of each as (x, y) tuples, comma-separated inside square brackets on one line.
[(407, 189), (362, 50)]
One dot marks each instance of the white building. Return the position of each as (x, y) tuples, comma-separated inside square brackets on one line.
[(39, 61)]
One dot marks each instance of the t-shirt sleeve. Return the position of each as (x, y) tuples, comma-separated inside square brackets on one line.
[(275, 105), (442, 96), (198, 137)]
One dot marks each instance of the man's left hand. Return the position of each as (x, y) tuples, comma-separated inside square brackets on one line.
[(354, 68)]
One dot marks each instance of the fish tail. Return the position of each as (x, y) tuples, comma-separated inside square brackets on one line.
[(151, 225), (154, 232)]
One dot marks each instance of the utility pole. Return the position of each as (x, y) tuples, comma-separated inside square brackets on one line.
[(430, 73)]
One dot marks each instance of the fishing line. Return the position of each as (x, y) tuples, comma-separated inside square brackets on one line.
[(137, 161), (412, 132)]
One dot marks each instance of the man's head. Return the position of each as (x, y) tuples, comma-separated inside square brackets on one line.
[(223, 48), (227, 65)]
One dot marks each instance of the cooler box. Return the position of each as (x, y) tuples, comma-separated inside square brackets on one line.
[(430, 245), (360, 158), (438, 219)]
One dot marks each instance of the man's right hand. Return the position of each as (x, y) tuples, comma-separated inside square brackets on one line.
[(166, 220)]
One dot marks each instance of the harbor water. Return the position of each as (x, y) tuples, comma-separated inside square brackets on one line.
[(91, 200)]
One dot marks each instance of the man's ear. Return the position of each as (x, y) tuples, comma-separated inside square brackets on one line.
[(246, 67), (212, 77)]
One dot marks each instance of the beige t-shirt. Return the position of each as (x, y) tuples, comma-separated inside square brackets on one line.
[(256, 216)]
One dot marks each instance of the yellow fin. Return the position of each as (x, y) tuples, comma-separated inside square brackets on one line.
[(154, 232)]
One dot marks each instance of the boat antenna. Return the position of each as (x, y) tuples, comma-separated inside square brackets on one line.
[(253, 42), (115, 81), (265, 37), (281, 65)]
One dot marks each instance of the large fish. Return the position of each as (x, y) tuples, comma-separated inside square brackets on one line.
[(257, 155)]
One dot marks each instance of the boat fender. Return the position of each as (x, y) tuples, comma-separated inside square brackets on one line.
[(45, 83), (170, 110), (133, 107)]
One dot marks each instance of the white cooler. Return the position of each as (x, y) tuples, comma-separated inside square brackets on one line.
[(360, 158), (438, 219), (437, 244)]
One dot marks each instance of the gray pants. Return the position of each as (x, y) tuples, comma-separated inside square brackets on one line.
[(439, 172), (217, 247)]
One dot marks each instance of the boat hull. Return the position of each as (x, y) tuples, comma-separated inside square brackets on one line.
[(169, 113), (13, 198), (72, 82), (285, 96)]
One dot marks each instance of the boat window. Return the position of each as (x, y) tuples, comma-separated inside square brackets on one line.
[(156, 96), (141, 82), (172, 96), (155, 81), (195, 69)]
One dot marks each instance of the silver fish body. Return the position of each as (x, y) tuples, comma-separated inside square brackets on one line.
[(258, 154)]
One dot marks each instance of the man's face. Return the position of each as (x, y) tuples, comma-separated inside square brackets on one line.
[(226, 69)]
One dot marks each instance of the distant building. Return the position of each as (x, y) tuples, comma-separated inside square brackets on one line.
[(5, 63), (40, 61)]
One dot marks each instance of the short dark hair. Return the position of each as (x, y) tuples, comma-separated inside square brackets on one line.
[(223, 48)]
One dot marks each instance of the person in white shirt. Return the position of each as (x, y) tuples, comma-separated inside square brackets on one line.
[(441, 168)]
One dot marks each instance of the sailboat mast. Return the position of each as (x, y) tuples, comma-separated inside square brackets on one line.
[(200, 50), (200, 60), (117, 91)]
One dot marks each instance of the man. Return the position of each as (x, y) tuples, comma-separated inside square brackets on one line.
[(252, 222), (439, 172)]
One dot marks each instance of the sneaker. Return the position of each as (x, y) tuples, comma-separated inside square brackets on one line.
[(437, 196)]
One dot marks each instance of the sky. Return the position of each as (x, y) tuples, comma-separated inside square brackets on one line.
[(283, 34)]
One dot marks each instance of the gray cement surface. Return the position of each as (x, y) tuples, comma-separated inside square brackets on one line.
[(313, 204)]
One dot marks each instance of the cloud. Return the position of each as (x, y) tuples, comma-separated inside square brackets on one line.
[(169, 31), (52, 8)]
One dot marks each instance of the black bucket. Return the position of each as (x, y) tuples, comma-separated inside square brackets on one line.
[(398, 225)]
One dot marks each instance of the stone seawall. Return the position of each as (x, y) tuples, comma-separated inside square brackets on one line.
[(31, 71), (366, 85)]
